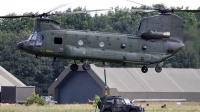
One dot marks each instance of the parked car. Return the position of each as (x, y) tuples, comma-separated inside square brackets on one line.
[(118, 104)]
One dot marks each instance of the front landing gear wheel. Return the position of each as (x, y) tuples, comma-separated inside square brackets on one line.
[(74, 67), (86, 66), (144, 69), (158, 68)]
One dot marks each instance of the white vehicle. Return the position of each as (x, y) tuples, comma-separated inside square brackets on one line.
[(50, 100)]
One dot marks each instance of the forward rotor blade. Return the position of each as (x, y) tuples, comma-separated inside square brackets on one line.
[(140, 4), (18, 16), (40, 15), (79, 12), (141, 10)]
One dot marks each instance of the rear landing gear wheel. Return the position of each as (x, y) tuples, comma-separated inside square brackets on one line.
[(144, 69), (86, 66), (74, 67), (158, 68)]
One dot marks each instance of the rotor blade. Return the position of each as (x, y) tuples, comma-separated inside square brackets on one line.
[(68, 13), (18, 16), (140, 4), (79, 12), (186, 10), (60, 6), (141, 10), (97, 10)]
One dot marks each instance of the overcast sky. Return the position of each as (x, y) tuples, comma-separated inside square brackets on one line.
[(22, 6)]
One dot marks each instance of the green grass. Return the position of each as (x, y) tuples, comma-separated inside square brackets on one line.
[(48, 108), (153, 107)]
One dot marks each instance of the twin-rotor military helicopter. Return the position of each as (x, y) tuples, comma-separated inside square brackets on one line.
[(158, 38)]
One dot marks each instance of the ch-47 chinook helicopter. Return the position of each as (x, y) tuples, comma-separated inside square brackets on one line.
[(158, 38)]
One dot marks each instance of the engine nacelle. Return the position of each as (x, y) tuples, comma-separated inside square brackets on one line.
[(155, 35)]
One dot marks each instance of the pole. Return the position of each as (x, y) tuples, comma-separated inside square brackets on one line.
[(106, 87), (105, 76)]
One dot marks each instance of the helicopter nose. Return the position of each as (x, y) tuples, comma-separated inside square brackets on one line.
[(20, 45), (181, 45)]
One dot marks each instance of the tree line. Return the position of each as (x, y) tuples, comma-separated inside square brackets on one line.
[(41, 72)]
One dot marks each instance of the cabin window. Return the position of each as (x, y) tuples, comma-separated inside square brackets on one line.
[(144, 47), (58, 40), (101, 44), (80, 42), (123, 46)]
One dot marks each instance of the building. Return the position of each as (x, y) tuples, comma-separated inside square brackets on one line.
[(171, 83), (7, 79), (14, 90)]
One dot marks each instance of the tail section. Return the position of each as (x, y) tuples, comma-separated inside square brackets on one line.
[(163, 23)]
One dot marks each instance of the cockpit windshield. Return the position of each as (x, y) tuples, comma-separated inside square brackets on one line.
[(33, 36), (38, 37)]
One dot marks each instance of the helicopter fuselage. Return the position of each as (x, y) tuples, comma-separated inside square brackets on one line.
[(97, 46), (145, 47)]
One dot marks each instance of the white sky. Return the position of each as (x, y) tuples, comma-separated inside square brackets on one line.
[(22, 6)]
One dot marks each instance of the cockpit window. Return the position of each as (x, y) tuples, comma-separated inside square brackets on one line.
[(30, 37), (34, 36), (39, 40), (38, 37)]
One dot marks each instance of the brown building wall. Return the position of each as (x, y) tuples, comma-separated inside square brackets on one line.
[(22, 93)]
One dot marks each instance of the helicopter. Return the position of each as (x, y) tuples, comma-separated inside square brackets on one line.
[(157, 39)]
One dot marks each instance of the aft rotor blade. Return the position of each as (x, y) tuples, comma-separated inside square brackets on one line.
[(140, 4), (60, 6), (97, 10), (79, 12), (186, 10), (141, 10)]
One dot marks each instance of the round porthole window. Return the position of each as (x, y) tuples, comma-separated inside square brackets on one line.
[(123, 46), (80, 42), (144, 47), (101, 44)]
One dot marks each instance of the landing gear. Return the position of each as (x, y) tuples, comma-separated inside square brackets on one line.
[(74, 67), (86, 66), (144, 69), (158, 68)]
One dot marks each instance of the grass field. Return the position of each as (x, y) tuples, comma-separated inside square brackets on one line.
[(153, 107)]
